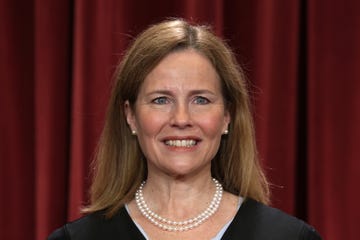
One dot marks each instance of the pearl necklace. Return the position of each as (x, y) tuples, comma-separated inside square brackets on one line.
[(169, 225)]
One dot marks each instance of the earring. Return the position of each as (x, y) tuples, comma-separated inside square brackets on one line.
[(133, 132), (226, 132)]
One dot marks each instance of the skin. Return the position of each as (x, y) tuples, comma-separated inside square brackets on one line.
[(181, 100)]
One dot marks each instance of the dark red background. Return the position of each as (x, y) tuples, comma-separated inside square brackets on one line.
[(56, 63)]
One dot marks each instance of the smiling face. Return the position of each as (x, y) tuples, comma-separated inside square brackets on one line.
[(179, 115)]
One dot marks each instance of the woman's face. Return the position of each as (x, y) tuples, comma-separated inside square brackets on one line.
[(179, 115)]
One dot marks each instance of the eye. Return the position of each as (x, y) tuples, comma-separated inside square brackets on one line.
[(161, 100), (201, 100)]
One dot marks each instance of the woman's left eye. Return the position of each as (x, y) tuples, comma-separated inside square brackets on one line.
[(201, 100)]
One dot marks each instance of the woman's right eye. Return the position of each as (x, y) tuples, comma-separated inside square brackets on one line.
[(160, 100)]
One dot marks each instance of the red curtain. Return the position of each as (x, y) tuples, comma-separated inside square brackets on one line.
[(56, 63)]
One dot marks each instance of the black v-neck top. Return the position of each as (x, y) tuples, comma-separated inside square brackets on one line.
[(253, 221)]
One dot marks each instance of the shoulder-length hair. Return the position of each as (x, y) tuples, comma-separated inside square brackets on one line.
[(120, 167)]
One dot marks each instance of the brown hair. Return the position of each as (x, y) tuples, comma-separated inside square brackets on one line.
[(119, 166)]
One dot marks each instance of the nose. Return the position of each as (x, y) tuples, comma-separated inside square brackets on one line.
[(181, 116)]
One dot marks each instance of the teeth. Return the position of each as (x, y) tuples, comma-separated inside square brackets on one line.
[(181, 143)]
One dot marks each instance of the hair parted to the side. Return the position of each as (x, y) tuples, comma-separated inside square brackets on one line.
[(120, 167)]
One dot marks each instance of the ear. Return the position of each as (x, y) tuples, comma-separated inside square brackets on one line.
[(227, 119), (130, 116)]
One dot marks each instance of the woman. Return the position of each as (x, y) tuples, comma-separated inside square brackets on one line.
[(177, 157)]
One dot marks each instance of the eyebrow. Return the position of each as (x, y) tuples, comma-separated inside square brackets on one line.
[(192, 92)]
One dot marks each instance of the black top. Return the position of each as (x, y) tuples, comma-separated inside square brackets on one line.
[(253, 221)]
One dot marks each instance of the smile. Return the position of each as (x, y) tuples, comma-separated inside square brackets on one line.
[(181, 143)]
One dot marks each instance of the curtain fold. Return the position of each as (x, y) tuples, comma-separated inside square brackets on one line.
[(275, 69), (57, 59), (52, 84), (266, 35), (17, 169), (334, 114)]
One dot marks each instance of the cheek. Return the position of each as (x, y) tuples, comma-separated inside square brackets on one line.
[(212, 125), (149, 123)]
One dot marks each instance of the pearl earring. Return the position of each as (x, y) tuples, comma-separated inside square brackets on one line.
[(226, 132), (133, 132)]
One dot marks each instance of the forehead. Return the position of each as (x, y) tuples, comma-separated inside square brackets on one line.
[(185, 69)]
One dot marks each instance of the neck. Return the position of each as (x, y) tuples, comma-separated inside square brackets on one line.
[(178, 198)]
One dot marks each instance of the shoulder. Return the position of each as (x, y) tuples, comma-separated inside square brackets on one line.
[(97, 226), (259, 221), (85, 226)]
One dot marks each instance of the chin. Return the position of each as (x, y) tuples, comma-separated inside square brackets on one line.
[(183, 171)]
